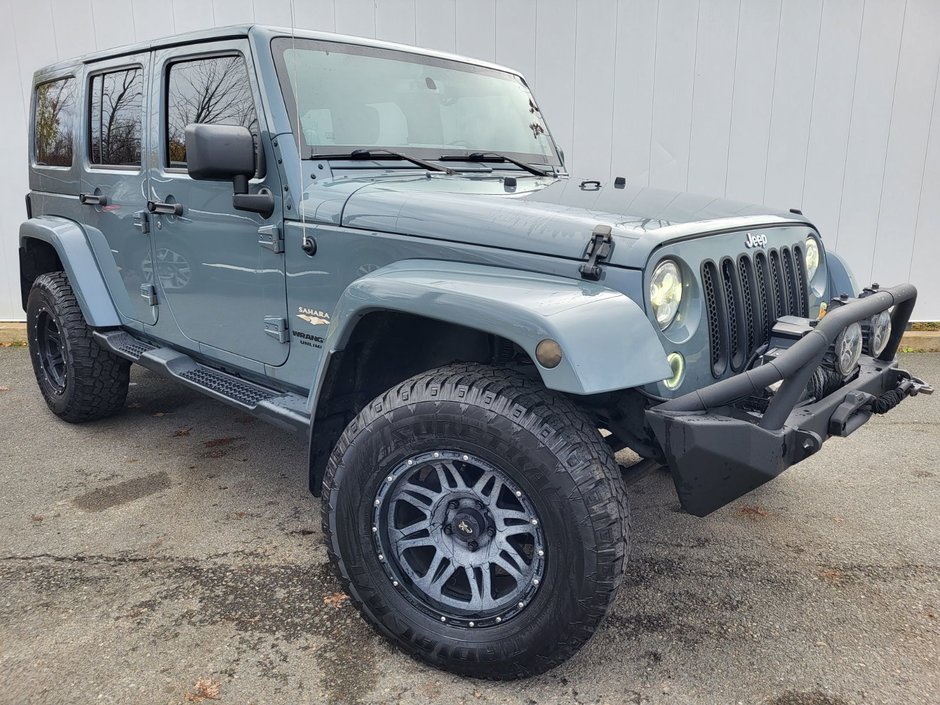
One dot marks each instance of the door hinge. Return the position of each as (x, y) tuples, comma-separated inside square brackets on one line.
[(598, 249), (142, 221), (149, 292), (276, 327), (271, 238)]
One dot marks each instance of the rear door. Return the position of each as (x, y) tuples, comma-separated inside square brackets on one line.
[(220, 270), (113, 192)]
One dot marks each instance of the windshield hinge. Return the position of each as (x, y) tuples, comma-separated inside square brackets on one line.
[(271, 238), (598, 249), (276, 327)]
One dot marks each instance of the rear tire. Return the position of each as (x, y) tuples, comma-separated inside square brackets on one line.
[(524, 474), (80, 380)]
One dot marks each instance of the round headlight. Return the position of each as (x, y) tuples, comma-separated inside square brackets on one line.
[(665, 292), (811, 257), (848, 348), (877, 332)]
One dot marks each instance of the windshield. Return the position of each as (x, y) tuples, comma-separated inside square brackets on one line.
[(348, 97)]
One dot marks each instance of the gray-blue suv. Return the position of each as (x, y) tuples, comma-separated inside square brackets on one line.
[(380, 247)]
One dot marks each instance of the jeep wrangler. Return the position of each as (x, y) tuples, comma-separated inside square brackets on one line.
[(380, 247)]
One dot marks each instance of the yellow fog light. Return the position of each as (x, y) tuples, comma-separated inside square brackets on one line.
[(677, 365), (548, 353)]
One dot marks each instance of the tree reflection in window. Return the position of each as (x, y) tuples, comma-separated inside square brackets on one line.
[(215, 91), (116, 114), (55, 122)]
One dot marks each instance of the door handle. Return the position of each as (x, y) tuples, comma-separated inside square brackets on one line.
[(91, 199), (165, 208)]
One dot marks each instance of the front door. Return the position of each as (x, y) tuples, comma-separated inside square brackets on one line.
[(114, 182), (222, 281)]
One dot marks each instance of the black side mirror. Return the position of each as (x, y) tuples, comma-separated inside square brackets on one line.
[(223, 152)]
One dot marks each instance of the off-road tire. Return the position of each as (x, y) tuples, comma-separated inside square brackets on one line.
[(550, 448), (95, 380)]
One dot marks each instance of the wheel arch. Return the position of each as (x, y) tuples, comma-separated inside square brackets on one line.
[(53, 243), (416, 315)]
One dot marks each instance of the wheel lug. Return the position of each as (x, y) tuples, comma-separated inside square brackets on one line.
[(472, 545), (447, 529), (541, 552), (491, 531), (452, 504)]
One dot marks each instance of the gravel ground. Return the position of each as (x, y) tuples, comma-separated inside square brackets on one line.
[(173, 552)]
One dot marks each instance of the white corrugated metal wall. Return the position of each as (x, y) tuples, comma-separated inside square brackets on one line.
[(828, 105)]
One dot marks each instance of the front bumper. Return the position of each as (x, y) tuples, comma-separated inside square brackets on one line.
[(717, 451)]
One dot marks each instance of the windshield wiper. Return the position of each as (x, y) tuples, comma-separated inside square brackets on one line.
[(371, 154), (493, 156)]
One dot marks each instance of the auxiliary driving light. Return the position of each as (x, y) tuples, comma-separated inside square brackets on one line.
[(848, 348), (877, 331), (677, 365)]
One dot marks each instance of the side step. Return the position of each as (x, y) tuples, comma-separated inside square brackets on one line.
[(283, 409)]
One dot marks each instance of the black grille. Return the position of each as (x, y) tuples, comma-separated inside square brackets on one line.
[(743, 299)]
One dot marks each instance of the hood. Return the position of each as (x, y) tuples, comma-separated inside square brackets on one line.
[(540, 215)]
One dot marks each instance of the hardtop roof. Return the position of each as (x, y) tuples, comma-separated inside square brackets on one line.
[(263, 32)]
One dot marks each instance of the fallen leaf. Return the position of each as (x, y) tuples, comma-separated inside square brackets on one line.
[(336, 599), (183, 431), (831, 575), (4, 389), (205, 689), (161, 413), (37, 518), (216, 442)]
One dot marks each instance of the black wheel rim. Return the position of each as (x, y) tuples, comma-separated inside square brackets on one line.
[(458, 538), (51, 351)]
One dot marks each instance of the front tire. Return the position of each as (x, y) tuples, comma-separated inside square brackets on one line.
[(478, 520), (80, 380)]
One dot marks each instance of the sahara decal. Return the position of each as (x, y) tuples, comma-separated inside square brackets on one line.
[(313, 316)]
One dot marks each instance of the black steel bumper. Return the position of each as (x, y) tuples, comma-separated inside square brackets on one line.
[(717, 452)]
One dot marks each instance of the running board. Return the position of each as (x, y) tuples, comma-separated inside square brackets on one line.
[(280, 408)]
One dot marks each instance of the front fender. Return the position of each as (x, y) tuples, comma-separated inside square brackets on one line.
[(606, 339), (71, 244), (841, 280)]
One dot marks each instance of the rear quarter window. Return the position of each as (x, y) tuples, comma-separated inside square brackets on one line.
[(55, 122)]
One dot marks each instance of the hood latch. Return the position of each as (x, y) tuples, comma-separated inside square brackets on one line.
[(598, 249)]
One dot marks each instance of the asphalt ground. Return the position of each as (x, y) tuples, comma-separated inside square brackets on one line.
[(173, 553)]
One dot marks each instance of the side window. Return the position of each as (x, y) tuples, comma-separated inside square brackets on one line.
[(215, 91), (116, 117), (55, 121)]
